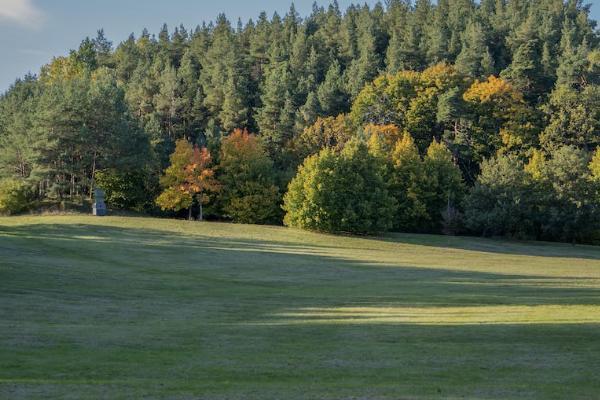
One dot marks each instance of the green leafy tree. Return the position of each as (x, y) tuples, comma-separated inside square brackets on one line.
[(406, 183), (128, 189), (503, 200), (571, 210), (574, 118), (249, 193), (342, 192), (444, 184), (594, 165)]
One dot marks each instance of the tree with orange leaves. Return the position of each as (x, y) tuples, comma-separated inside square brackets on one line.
[(189, 178)]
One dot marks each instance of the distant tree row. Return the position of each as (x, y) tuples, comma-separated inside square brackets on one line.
[(456, 87)]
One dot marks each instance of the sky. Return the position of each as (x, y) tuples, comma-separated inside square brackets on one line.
[(33, 31)]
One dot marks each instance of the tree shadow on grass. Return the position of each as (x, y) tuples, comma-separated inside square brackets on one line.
[(306, 270), (498, 245), (240, 318), (474, 244)]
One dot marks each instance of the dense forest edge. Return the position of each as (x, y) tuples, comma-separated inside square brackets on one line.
[(454, 117)]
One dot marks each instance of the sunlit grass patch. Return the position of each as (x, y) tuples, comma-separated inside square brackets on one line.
[(542, 314), (127, 308)]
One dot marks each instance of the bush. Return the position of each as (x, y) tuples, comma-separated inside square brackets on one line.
[(127, 190), (503, 201), (14, 196), (340, 193), (255, 204)]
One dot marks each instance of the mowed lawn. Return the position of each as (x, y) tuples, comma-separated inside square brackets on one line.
[(124, 308)]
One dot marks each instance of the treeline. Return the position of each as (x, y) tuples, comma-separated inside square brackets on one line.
[(455, 116)]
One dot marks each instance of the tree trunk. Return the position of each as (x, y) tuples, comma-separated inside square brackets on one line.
[(190, 213), (200, 216), (93, 174)]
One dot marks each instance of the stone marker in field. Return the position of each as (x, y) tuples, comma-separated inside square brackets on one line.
[(99, 207)]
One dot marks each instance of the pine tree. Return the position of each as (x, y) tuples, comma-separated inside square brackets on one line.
[(103, 49), (333, 100), (234, 112), (475, 59), (366, 66), (273, 116), (214, 65), (169, 103), (525, 71), (308, 112), (438, 34)]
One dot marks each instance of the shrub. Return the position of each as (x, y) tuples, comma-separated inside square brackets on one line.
[(14, 196), (127, 190), (342, 192)]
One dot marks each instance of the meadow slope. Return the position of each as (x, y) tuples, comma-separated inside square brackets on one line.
[(122, 308)]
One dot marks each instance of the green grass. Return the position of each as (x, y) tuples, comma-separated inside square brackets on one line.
[(122, 308)]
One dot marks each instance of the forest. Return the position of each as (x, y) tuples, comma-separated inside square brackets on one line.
[(454, 117)]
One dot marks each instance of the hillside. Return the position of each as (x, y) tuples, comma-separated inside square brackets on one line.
[(468, 116), (140, 307)]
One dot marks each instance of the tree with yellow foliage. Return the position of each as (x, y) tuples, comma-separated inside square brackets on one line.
[(500, 118)]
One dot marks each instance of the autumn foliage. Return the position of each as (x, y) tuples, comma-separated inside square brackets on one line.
[(249, 192), (189, 178)]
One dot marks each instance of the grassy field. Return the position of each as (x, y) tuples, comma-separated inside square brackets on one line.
[(122, 308)]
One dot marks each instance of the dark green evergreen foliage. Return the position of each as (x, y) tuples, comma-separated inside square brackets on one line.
[(503, 200), (365, 66), (333, 99), (79, 125), (340, 192), (423, 66), (18, 154), (273, 117), (475, 58), (525, 71)]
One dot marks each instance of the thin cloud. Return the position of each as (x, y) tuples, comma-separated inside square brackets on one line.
[(22, 12)]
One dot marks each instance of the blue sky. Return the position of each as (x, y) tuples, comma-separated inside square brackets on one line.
[(32, 31)]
